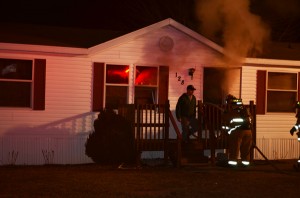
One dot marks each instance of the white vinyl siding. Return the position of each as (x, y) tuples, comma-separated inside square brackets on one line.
[(64, 124)]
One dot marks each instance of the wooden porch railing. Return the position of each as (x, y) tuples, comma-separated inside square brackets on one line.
[(151, 128), (179, 139), (210, 122)]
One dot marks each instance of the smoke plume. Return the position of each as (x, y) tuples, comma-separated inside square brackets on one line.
[(242, 33)]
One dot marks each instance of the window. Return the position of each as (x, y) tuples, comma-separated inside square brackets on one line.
[(281, 91), (22, 83), (117, 81), (146, 84), (15, 83), (113, 83)]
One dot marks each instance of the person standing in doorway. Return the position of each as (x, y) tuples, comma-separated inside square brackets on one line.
[(186, 111)]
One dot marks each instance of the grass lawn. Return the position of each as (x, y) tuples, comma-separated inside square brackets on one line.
[(93, 180)]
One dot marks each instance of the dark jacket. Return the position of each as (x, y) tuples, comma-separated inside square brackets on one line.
[(186, 107)]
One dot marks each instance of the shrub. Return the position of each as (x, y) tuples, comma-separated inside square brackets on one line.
[(112, 141)]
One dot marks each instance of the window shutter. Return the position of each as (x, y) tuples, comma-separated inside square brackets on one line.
[(163, 84), (261, 92), (39, 84), (98, 86)]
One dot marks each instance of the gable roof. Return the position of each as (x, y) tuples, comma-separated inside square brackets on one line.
[(161, 24)]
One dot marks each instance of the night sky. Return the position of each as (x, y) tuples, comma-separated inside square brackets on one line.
[(282, 16), (112, 14)]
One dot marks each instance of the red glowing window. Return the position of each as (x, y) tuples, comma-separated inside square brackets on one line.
[(146, 85), (117, 74), (146, 75)]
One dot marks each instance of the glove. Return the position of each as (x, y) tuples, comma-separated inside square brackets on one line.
[(292, 131), (298, 134)]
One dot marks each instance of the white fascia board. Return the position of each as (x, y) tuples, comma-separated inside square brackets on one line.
[(271, 62), (24, 48)]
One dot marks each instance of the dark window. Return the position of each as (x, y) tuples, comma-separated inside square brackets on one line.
[(145, 95), (281, 91), (15, 94), (116, 96), (15, 82), (16, 69)]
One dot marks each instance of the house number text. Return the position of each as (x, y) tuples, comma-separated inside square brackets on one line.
[(179, 79)]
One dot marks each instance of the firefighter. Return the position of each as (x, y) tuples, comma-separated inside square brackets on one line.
[(296, 127), (237, 122)]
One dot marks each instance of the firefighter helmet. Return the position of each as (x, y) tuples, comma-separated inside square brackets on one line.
[(230, 99)]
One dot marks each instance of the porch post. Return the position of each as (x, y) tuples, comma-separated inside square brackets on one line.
[(253, 129), (166, 140)]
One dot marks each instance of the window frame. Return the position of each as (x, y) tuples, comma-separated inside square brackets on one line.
[(37, 84), (13, 81), (98, 87), (273, 90), (115, 84), (261, 91), (156, 86)]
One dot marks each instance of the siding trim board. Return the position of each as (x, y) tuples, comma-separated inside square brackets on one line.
[(263, 62), (271, 65)]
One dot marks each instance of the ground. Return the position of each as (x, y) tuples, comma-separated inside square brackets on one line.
[(262, 179)]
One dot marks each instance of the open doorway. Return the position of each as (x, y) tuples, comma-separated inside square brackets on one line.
[(218, 82)]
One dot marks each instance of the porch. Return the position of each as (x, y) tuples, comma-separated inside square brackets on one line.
[(151, 131)]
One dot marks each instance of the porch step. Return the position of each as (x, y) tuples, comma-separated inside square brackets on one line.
[(193, 153), (194, 160), (193, 144)]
